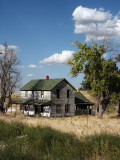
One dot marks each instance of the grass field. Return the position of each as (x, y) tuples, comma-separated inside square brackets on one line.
[(79, 125), (20, 141), (66, 138)]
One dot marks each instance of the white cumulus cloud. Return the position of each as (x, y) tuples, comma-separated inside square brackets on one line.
[(30, 75), (90, 21), (60, 58), (32, 66)]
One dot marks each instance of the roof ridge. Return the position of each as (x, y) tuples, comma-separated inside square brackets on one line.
[(44, 84), (48, 79)]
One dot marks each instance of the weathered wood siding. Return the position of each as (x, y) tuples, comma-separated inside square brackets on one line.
[(46, 95), (37, 95), (23, 94), (63, 100)]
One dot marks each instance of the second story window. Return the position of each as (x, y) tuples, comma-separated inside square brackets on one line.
[(68, 93), (32, 94), (26, 93), (36, 96), (58, 93)]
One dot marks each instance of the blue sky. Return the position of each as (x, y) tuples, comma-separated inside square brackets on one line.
[(44, 30)]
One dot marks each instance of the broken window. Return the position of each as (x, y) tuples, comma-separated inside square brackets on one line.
[(68, 93), (58, 93)]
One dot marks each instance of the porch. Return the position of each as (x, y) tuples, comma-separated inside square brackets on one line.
[(30, 107)]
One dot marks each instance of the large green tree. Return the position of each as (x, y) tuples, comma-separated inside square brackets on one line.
[(101, 75)]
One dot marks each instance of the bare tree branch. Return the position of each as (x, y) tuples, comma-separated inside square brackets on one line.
[(9, 75)]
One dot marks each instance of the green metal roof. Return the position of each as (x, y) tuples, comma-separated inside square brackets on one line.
[(43, 84), (81, 99)]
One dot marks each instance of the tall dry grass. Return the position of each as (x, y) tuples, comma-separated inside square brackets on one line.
[(19, 141), (79, 125)]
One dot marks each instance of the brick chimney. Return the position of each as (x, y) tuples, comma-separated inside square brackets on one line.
[(47, 77), (78, 89)]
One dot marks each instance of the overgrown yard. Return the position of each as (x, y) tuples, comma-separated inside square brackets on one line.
[(20, 141), (79, 125)]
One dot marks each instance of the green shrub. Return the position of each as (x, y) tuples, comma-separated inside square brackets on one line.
[(111, 108), (10, 130)]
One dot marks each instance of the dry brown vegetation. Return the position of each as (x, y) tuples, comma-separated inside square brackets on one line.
[(79, 125), (88, 96)]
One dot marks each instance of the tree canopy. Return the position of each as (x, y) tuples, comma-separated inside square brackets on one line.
[(102, 75)]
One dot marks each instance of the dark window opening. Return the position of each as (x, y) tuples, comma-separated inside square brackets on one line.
[(58, 108), (67, 108), (58, 93), (68, 93), (26, 108)]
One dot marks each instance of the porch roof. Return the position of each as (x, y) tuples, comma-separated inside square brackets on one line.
[(80, 99), (85, 103), (30, 101)]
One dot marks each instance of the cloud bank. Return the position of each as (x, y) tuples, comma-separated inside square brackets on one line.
[(90, 21), (58, 58)]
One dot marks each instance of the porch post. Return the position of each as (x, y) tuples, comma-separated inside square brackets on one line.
[(39, 110), (11, 108), (16, 108), (23, 109), (28, 110)]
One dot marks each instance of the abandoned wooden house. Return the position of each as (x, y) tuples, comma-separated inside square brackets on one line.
[(50, 98)]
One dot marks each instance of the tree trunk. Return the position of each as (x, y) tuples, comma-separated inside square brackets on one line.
[(107, 110), (2, 104), (97, 106), (100, 114), (117, 109), (106, 107), (9, 100)]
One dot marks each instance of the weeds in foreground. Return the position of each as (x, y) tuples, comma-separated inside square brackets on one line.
[(18, 141)]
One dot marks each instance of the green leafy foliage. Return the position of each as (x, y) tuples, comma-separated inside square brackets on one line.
[(102, 75)]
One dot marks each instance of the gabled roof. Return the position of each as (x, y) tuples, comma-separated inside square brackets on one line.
[(81, 99), (43, 84)]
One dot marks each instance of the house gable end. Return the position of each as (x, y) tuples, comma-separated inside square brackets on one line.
[(65, 82)]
